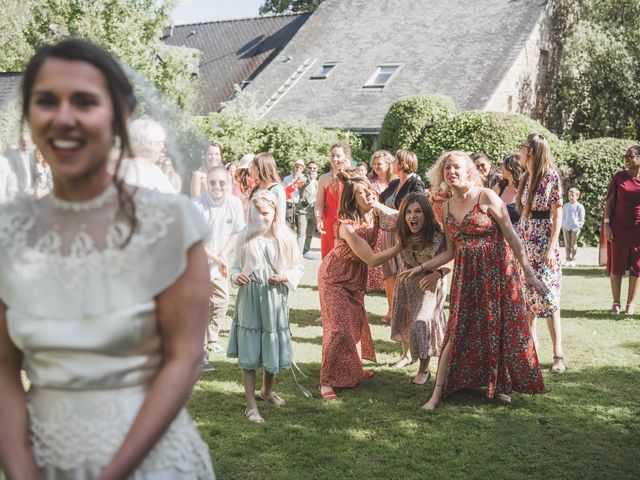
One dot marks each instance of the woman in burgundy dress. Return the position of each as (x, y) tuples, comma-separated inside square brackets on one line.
[(342, 277), (487, 342), (621, 230)]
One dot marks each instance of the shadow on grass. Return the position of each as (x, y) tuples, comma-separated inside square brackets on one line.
[(304, 318), (309, 287), (588, 272), (592, 314), (587, 426)]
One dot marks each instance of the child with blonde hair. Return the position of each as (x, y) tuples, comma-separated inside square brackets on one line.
[(572, 222), (267, 266)]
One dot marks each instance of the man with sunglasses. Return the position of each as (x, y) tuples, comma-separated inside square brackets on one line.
[(223, 212)]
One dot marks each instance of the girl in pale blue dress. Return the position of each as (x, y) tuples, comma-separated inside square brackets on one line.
[(267, 266)]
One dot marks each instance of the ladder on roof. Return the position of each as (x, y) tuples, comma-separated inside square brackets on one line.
[(286, 86)]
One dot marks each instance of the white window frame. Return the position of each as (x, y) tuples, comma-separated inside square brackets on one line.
[(370, 83)]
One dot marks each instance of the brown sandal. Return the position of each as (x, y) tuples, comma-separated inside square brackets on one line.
[(273, 397)]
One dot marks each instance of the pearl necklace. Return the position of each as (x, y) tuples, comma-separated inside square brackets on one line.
[(94, 203)]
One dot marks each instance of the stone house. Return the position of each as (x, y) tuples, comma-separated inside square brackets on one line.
[(353, 58)]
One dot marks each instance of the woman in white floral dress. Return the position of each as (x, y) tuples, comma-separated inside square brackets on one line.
[(103, 295), (539, 200)]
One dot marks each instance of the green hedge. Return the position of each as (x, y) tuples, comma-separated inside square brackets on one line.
[(431, 125), (591, 164), (286, 141)]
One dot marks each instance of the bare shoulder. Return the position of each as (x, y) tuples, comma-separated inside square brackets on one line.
[(489, 197)]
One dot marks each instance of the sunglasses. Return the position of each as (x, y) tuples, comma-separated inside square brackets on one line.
[(528, 147), (214, 183)]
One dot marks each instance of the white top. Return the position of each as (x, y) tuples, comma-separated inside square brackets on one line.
[(81, 308), (224, 219), (8, 181), (140, 173)]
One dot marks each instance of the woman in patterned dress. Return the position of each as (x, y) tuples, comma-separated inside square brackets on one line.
[(539, 201), (346, 338), (381, 175), (487, 341), (418, 309)]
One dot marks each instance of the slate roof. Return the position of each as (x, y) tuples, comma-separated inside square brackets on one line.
[(460, 48), (9, 85), (233, 51)]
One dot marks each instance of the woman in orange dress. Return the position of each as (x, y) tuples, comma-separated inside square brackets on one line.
[(346, 338), (328, 196)]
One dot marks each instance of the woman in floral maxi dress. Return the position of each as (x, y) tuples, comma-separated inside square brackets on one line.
[(346, 338), (539, 229), (487, 342)]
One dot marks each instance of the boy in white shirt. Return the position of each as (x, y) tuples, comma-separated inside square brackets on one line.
[(572, 222)]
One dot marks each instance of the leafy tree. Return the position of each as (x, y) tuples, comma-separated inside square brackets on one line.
[(14, 48), (130, 29), (596, 87), (282, 6)]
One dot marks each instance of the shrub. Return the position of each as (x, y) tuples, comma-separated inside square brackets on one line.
[(431, 125), (591, 165), (408, 118)]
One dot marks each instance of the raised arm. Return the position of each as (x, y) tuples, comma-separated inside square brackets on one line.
[(388, 217), (182, 316), (16, 456), (362, 248)]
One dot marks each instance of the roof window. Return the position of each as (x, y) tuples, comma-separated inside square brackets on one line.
[(381, 76), (324, 71)]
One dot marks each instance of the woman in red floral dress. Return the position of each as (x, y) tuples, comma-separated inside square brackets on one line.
[(487, 342), (346, 338)]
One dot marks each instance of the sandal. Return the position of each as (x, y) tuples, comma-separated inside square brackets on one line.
[(631, 309), (428, 376), (386, 319), (273, 397), (615, 308), (403, 362), (558, 366), (330, 395), (253, 415), (503, 398), (430, 406)]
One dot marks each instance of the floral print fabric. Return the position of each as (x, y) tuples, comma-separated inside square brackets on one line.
[(490, 341), (535, 235)]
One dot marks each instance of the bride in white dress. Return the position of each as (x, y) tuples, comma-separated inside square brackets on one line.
[(103, 295)]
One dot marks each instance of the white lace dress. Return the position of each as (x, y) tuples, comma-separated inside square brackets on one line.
[(82, 311)]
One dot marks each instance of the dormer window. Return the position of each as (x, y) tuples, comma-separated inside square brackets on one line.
[(324, 71), (381, 76)]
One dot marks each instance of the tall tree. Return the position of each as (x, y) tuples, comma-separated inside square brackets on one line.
[(130, 29), (597, 93), (282, 6), (14, 48)]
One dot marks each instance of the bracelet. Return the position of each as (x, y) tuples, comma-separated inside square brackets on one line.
[(421, 268), (441, 272)]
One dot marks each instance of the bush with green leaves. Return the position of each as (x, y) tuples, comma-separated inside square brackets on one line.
[(591, 164), (431, 125)]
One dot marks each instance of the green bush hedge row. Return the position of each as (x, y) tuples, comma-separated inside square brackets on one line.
[(431, 125), (286, 141)]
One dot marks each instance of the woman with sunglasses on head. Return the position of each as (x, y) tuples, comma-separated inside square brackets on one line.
[(112, 342), (620, 237), (539, 201)]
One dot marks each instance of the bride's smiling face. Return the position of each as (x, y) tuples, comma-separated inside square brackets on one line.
[(70, 114)]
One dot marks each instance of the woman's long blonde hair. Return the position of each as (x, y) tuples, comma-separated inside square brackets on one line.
[(541, 163), (286, 245), (435, 174)]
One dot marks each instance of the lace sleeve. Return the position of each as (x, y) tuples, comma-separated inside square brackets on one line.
[(388, 218)]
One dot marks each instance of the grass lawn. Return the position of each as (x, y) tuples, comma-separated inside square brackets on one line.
[(586, 427)]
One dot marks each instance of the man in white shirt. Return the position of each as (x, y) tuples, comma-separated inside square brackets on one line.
[(147, 142), (223, 212), (8, 181)]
